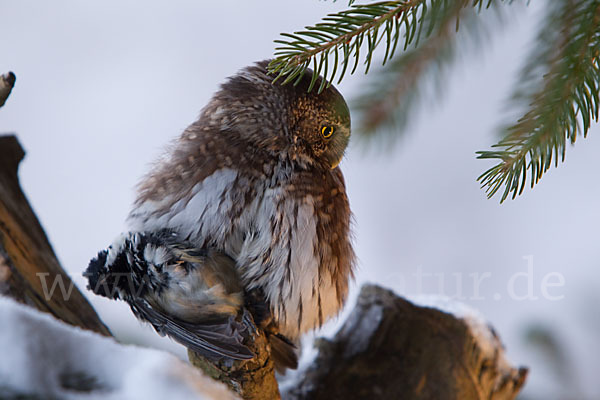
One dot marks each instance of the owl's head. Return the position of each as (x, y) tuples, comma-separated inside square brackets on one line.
[(310, 127)]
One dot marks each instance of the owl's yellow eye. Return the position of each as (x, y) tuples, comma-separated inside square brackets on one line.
[(327, 131)]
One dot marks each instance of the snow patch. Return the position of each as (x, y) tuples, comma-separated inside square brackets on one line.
[(44, 357)]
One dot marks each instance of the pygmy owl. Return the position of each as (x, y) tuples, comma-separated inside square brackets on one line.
[(254, 192)]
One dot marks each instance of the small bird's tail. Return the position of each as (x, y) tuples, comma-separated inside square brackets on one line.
[(121, 271), (144, 269)]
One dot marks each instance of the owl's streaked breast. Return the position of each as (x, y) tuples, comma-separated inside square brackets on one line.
[(278, 229)]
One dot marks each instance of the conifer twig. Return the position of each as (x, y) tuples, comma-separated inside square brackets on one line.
[(566, 59), (330, 46), (389, 99)]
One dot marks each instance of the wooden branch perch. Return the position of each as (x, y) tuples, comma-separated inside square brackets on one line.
[(28, 265), (252, 379)]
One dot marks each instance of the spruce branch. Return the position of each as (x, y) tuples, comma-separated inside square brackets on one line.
[(340, 36), (388, 101), (566, 57)]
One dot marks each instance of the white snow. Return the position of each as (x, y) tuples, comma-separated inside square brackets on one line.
[(41, 357), (447, 305)]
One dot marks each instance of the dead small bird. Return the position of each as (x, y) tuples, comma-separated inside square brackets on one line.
[(194, 296)]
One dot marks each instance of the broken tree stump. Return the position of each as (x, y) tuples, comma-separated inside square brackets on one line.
[(389, 348)]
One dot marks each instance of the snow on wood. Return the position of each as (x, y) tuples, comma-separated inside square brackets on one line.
[(46, 358), (389, 348)]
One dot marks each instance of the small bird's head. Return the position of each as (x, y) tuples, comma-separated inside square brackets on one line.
[(309, 127)]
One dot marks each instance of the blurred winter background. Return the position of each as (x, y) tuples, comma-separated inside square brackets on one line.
[(103, 86)]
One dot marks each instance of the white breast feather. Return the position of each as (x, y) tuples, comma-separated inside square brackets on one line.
[(198, 216), (295, 297)]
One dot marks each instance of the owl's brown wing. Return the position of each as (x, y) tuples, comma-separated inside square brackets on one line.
[(212, 339), (283, 351)]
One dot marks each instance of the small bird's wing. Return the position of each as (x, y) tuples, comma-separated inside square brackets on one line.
[(214, 339)]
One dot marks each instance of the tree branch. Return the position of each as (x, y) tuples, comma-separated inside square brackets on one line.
[(342, 35), (251, 379), (558, 90), (7, 82), (28, 266)]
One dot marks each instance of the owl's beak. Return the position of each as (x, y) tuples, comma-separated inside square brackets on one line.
[(336, 163), (340, 145)]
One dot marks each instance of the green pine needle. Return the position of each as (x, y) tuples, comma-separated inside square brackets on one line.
[(566, 58), (342, 35), (390, 97)]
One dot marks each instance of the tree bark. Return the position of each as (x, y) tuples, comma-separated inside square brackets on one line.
[(390, 348), (252, 379), (28, 265)]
